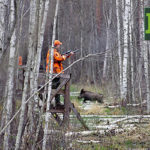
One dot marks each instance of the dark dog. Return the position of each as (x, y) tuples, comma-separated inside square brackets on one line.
[(91, 96)]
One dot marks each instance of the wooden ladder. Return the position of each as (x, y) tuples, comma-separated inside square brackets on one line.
[(68, 106)]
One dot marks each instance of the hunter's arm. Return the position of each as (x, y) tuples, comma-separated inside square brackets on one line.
[(59, 57)]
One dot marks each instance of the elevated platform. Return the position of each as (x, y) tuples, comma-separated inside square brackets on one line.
[(63, 89)]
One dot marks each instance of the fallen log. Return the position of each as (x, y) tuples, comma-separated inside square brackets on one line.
[(104, 131), (111, 132), (88, 142), (118, 106), (110, 116), (127, 118)]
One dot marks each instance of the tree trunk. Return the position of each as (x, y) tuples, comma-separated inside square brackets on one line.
[(146, 63), (10, 80), (50, 77), (125, 57), (81, 38), (27, 73), (119, 43), (42, 19), (108, 18), (11, 69), (2, 28), (146, 68)]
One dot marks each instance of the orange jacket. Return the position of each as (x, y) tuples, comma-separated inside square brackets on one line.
[(58, 58)]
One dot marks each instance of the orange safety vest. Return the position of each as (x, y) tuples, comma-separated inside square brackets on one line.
[(58, 58)]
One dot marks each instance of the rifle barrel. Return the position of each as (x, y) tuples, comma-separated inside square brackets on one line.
[(68, 52), (76, 50)]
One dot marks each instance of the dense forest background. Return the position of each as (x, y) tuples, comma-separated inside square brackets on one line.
[(110, 32), (93, 27)]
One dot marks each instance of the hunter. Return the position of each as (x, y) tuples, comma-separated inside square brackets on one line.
[(57, 67)]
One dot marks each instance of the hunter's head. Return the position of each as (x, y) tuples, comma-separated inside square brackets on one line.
[(57, 44)]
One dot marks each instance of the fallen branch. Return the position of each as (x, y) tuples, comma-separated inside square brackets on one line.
[(126, 118), (88, 142), (112, 132), (111, 116), (133, 105), (101, 132)]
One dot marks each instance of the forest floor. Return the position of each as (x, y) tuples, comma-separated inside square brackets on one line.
[(138, 139), (116, 128), (105, 108)]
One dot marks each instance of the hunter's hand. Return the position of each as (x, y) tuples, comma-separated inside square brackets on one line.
[(72, 53), (64, 56)]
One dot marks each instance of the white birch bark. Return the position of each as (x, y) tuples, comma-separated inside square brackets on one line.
[(108, 17), (125, 58), (10, 89), (43, 19), (131, 90), (42, 22), (144, 49), (119, 43), (81, 37), (10, 80), (141, 48), (4, 108), (2, 22), (30, 103), (132, 73), (27, 73), (50, 83), (106, 54), (146, 65)]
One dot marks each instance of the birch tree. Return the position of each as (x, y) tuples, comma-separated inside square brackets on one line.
[(146, 68), (42, 20), (146, 64), (50, 77), (108, 18), (2, 23), (27, 73), (10, 81), (125, 56), (137, 60), (118, 5), (81, 38), (131, 50), (36, 25)]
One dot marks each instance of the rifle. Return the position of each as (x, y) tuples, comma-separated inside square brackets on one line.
[(68, 52)]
